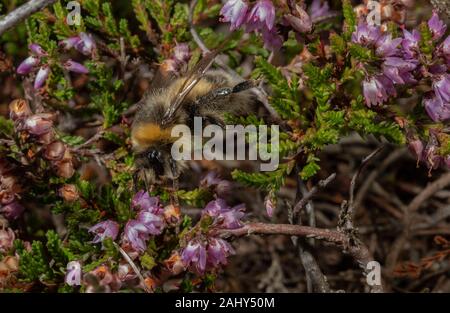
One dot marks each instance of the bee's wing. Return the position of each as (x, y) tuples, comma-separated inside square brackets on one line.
[(192, 79)]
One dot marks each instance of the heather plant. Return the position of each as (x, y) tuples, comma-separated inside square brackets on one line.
[(74, 218)]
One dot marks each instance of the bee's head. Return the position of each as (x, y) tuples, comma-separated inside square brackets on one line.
[(152, 158)]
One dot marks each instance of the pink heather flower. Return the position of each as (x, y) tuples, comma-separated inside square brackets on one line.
[(86, 45), (27, 65), (270, 207), (103, 230), (386, 46), (39, 124), (73, 274), (136, 234), (441, 88), (181, 53), (37, 50), (235, 12), (416, 146), (217, 252), (437, 109), (7, 237), (75, 67), (376, 90), (437, 26), (41, 76), (143, 201), (299, 20), (12, 210), (70, 42), (194, 256), (318, 9), (153, 222), (366, 34), (410, 43), (225, 216), (261, 15)]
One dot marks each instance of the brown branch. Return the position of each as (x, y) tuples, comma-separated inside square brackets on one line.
[(328, 235), (21, 13), (322, 183)]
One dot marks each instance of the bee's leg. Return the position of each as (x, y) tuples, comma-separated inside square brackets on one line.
[(135, 180), (248, 84)]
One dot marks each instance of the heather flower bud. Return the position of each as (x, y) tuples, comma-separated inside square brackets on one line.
[(270, 207), (437, 26), (12, 211), (19, 109), (194, 256), (105, 229), (37, 49), (318, 9), (69, 193), (64, 168), (55, 151), (41, 76), (75, 67), (39, 124), (6, 240), (73, 274), (86, 45), (27, 65), (217, 252), (143, 201), (69, 42)]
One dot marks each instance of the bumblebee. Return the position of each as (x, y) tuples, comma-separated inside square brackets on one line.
[(202, 92)]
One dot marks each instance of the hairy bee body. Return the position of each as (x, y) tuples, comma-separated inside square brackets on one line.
[(151, 139)]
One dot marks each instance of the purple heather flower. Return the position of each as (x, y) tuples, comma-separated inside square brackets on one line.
[(143, 201), (12, 210), (136, 234), (366, 34), (41, 76), (86, 45), (318, 9), (70, 42), (410, 43), (416, 146), (38, 124), (386, 46), (437, 109), (300, 20), (103, 230), (441, 88), (73, 274), (217, 252), (224, 215), (398, 70), (75, 67), (27, 65), (235, 12), (181, 53), (446, 47), (377, 89), (37, 49), (152, 222), (262, 15), (437, 26), (194, 256), (272, 41)]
